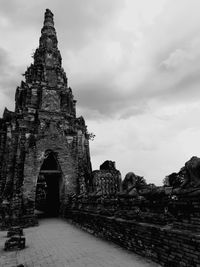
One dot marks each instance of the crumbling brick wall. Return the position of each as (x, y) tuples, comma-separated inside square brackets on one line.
[(161, 223)]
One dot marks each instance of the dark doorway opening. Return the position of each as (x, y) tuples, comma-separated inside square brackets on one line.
[(48, 187), (52, 196)]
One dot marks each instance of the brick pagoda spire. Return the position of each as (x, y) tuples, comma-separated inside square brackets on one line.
[(47, 70), (44, 147)]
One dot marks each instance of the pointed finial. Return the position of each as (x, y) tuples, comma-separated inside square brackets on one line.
[(48, 18), (48, 27)]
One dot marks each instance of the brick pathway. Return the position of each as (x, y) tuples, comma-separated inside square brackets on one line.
[(56, 243)]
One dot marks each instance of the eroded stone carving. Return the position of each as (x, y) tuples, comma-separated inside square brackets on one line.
[(192, 173), (50, 100), (132, 183)]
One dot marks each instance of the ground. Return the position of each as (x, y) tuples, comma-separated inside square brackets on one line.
[(56, 243)]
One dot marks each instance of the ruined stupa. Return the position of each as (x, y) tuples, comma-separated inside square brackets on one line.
[(44, 147)]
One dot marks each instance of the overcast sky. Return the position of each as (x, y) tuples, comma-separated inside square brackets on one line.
[(134, 68)]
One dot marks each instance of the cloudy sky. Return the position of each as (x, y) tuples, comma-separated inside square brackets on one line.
[(134, 67)]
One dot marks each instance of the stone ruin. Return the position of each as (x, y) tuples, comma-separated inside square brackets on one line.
[(44, 147), (16, 239), (45, 166), (158, 222)]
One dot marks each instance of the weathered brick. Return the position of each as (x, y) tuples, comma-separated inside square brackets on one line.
[(43, 125)]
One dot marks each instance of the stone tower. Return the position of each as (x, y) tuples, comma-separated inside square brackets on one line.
[(44, 147)]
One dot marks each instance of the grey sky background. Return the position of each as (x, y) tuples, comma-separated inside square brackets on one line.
[(134, 67)]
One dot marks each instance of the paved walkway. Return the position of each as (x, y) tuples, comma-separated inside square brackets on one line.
[(56, 243)]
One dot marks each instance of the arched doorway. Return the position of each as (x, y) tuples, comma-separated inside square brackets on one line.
[(49, 186)]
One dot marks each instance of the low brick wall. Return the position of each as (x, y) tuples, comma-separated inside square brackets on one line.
[(163, 244)]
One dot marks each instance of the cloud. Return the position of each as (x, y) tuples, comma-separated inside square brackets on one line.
[(133, 67), (9, 78), (148, 144), (159, 59), (78, 21)]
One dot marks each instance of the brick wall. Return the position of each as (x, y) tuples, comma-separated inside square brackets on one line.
[(167, 230)]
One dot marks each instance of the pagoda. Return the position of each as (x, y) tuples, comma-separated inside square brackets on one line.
[(44, 147)]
